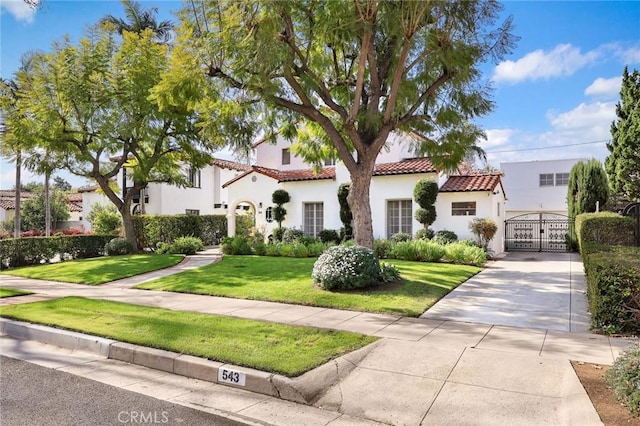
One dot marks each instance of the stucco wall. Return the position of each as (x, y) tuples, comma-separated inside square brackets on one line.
[(524, 193)]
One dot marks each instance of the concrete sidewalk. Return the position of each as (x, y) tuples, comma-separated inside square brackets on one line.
[(423, 371)]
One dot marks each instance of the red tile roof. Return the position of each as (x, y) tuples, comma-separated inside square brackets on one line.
[(287, 175), (226, 164), (75, 197), (74, 207), (8, 204), (469, 183), (408, 166)]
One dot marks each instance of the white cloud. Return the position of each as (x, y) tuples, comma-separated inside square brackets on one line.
[(594, 120), (19, 10), (604, 87), (497, 137), (564, 59)]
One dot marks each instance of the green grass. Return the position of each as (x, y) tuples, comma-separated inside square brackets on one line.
[(98, 270), (10, 292), (289, 280), (284, 349)]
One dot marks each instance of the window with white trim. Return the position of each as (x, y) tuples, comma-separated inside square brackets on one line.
[(562, 179), (546, 179), (399, 217), (268, 214), (313, 218), (193, 177), (464, 208), (286, 156)]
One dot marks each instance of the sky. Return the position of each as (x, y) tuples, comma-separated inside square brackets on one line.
[(555, 94)]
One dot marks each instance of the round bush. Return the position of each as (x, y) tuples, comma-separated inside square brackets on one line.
[(344, 268), (425, 234), (399, 237), (182, 245), (118, 246), (624, 379), (290, 236), (329, 236), (445, 237)]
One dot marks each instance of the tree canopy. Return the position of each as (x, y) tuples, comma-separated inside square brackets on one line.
[(139, 19), (339, 77), (94, 107), (623, 163)]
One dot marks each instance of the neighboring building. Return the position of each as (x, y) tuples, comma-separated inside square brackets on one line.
[(536, 210), (537, 186), (8, 207)]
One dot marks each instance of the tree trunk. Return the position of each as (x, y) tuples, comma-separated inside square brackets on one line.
[(47, 205), (18, 216), (127, 224), (360, 203)]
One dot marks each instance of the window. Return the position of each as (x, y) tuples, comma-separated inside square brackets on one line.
[(193, 177), (313, 218), (399, 217), (562, 179), (192, 212), (546, 179), (466, 208), (330, 162), (286, 156), (268, 214), (498, 209)]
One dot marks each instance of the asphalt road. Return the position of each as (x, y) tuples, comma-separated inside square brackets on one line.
[(32, 395)]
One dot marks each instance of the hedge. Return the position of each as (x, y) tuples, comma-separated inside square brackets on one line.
[(153, 229), (613, 281), (36, 250), (605, 228)]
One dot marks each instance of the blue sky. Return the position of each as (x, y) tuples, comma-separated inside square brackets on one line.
[(555, 94)]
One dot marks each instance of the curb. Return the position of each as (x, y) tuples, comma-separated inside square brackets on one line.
[(306, 388)]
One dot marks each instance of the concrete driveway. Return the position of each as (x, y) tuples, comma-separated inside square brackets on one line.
[(532, 290)]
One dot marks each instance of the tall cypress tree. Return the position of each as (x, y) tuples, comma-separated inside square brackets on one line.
[(623, 164), (588, 188)]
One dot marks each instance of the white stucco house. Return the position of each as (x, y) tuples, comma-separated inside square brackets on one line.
[(231, 188)]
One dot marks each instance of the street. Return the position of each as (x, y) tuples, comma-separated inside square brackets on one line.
[(34, 395)]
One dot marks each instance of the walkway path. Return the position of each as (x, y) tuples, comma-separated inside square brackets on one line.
[(424, 370)]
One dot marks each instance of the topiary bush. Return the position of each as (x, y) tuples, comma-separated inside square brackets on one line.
[(329, 236), (445, 237), (624, 379), (118, 247), (425, 234), (182, 245), (344, 268)]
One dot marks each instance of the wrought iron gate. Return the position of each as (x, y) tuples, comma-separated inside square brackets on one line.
[(537, 232)]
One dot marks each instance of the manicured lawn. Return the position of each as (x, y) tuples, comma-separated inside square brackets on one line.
[(10, 292), (289, 280), (266, 346), (98, 270)]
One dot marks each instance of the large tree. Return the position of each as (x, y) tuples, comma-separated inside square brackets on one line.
[(623, 164), (96, 106), (338, 77)]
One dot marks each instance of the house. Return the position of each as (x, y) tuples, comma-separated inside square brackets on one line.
[(536, 210), (8, 207), (231, 188)]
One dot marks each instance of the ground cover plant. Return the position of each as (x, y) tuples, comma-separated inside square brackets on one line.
[(98, 270), (278, 348), (10, 292), (289, 280)]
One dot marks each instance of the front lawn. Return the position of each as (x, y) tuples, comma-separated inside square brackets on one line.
[(98, 270), (289, 350), (288, 280), (10, 292)]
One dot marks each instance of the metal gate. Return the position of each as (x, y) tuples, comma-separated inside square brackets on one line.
[(537, 232)]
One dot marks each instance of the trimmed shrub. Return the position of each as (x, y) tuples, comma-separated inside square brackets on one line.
[(36, 250), (182, 245), (291, 235), (344, 268), (613, 284), (237, 245), (299, 250), (117, 247), (604, 228), (425, 234), (465, 253), (152, 229), (624, 379), (329, 236), (346, 217), (445, 237), (400, 236), (382, 248)]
